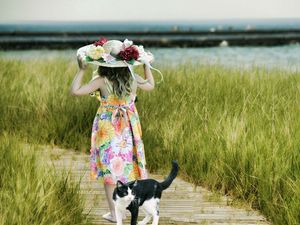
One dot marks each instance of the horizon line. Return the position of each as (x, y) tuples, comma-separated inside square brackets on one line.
[(151, 21)]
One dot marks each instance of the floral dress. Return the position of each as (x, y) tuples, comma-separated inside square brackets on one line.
[(117, 150)]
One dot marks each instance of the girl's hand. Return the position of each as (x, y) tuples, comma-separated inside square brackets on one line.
[(81, 64)]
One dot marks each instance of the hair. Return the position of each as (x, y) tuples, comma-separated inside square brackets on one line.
[(120, 77)]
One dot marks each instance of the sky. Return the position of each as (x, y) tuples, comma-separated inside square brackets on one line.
[(141, 10)]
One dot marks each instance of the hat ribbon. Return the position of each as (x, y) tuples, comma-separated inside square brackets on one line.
[(148, 64)]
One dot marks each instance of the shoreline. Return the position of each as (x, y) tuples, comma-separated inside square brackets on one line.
[(10, 40)]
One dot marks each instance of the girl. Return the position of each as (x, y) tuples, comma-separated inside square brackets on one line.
[(117, 150)]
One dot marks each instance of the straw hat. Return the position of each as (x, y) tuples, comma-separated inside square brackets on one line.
[(114, 53)]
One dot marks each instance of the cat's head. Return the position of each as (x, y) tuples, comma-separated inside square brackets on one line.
[(126, 191)]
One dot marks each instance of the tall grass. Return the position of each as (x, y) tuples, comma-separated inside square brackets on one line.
[(235, 131), (32, 194), (231, 130), (36, 104)]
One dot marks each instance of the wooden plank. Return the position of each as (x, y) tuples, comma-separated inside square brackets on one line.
[(182, 203)]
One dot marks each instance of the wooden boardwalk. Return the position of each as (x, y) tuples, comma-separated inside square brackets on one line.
[(180, 204)]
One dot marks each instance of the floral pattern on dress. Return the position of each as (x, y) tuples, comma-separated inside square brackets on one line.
[(117, 150)]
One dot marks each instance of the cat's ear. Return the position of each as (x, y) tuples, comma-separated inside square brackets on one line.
[(119, 184), (135, 183)]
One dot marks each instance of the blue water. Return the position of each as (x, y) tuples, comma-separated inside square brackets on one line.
[(203, 25), (283, 57)]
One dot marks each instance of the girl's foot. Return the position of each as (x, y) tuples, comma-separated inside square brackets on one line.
[(109, 217)]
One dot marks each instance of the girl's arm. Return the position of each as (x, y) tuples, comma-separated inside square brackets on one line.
[(76, 88), (148, 83)]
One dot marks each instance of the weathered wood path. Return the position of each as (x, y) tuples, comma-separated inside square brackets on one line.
[(181, 203)]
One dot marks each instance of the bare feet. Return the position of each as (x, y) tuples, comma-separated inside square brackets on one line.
[(111, 218)]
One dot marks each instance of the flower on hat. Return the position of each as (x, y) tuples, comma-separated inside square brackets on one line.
[(108, 58), (95, 52), (113, 47), (141, 49), (100, 42), (142, 53), (105, 51), (111, 51), (148, 56), (126, 43), (129, 53)]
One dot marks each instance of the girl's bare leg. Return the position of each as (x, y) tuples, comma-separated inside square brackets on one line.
[(109, 189)]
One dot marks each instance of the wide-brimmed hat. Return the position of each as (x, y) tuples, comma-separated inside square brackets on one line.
[(114, 53)]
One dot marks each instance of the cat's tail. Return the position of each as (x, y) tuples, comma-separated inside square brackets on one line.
[(167, 182)]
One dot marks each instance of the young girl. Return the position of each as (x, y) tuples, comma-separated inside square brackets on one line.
[(117, 150)]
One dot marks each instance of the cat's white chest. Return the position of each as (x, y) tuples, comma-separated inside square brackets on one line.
[(122, 203)]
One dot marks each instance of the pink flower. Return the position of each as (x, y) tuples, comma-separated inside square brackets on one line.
[(110, 153), (100, 42), (93, 167), (108, 58), (117, 166), (122, 179)]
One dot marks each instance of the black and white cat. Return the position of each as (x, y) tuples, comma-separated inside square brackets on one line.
[(145, 193)]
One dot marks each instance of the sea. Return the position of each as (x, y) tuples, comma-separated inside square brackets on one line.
[(285, 57), (122, 26)]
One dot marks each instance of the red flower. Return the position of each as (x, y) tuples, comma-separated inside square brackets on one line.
[(100, 42), (129, 53)]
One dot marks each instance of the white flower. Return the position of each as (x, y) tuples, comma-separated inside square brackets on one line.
[(113, 46), (108, 58), (127, 43), (141, 50), (149, 57), (95, 52), (144, 56)]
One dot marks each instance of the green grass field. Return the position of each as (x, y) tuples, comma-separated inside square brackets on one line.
[(234, 131), (33, 194)]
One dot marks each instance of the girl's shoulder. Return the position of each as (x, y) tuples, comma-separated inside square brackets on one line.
[(96, 76)]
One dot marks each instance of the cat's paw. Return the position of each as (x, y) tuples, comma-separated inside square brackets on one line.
[(142, 223)]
